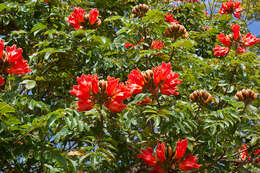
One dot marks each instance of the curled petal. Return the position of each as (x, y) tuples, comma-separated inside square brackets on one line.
[(115, 107), (85, 105), (181, 148), (236, 31), (224, 40), (189, 163), (221, 51), (93, 15)]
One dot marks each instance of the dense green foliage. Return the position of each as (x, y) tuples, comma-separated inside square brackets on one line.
[(40, 127)]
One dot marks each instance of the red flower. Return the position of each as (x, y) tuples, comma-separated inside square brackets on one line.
[(2, 46), (160, 151), (13, 54), (181, 148), (231, 7), (85, 105), (240, 50), (135, 81), (220, 51), (169, 18), (129, 45), (93, 15), (145, 101), (111, 93), (157, 44), (189, 163), (148, 157), (236, 31), (257, 153), (224, 40), (76, 17), (19, 67), (249, 40), (115, 106), (166, 79), (2, 81), (243, 155), (161, 72)]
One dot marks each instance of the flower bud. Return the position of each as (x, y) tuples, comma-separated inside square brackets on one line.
[(246, 96), (140, 10), (200, 96)]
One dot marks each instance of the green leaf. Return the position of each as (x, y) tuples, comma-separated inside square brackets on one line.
[(5, 108)]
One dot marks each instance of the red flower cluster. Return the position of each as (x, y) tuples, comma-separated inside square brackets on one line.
[(157, 44), (159, 77), (90, 90), (93, 15), (237, 40), (244, 154), (12, 61), (76, 17), (231, 7), (130, 45), (169, 18), (163, 161)]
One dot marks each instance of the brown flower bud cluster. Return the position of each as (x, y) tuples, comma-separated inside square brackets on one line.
[(86, 24), (148, 79), (201, 97), (176, 31), (246, 96), (140, 10)]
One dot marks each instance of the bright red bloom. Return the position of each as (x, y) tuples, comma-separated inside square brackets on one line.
[(19, 67), (115, 106), (249, 40), (241, 50), (169, 18), (236, 32), (231, 7), (158, 169), (93, 15), (181, 148), (161, 72), (220, 51), (129, 45), (243, 155), (2, 81), (148, 157), (224, 40), (46, 0), (13, 54), (76, 17), (257, 153), (85, 105), (135, 81), (111, 93), (157, 44), (189, 163), (166, 79), (160, 151), (2, 46)]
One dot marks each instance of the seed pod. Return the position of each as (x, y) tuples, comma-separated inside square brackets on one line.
[(200, 96), (140, 10), (246, 96), (176, 30)]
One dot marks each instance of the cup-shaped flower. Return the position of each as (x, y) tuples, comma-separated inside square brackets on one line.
[(135, 81), (236, 32), (160, 151), (93, 15), (19, 67), (220, 51), (224, 40), (147, 156), (181, 148), (76, 17), (13, 54), (189, 163), (157, 44), (249, 40)]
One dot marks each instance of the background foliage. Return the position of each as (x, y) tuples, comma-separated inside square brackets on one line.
[(40, 129)]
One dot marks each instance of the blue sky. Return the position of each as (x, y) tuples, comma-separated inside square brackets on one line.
[(255, 28)]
